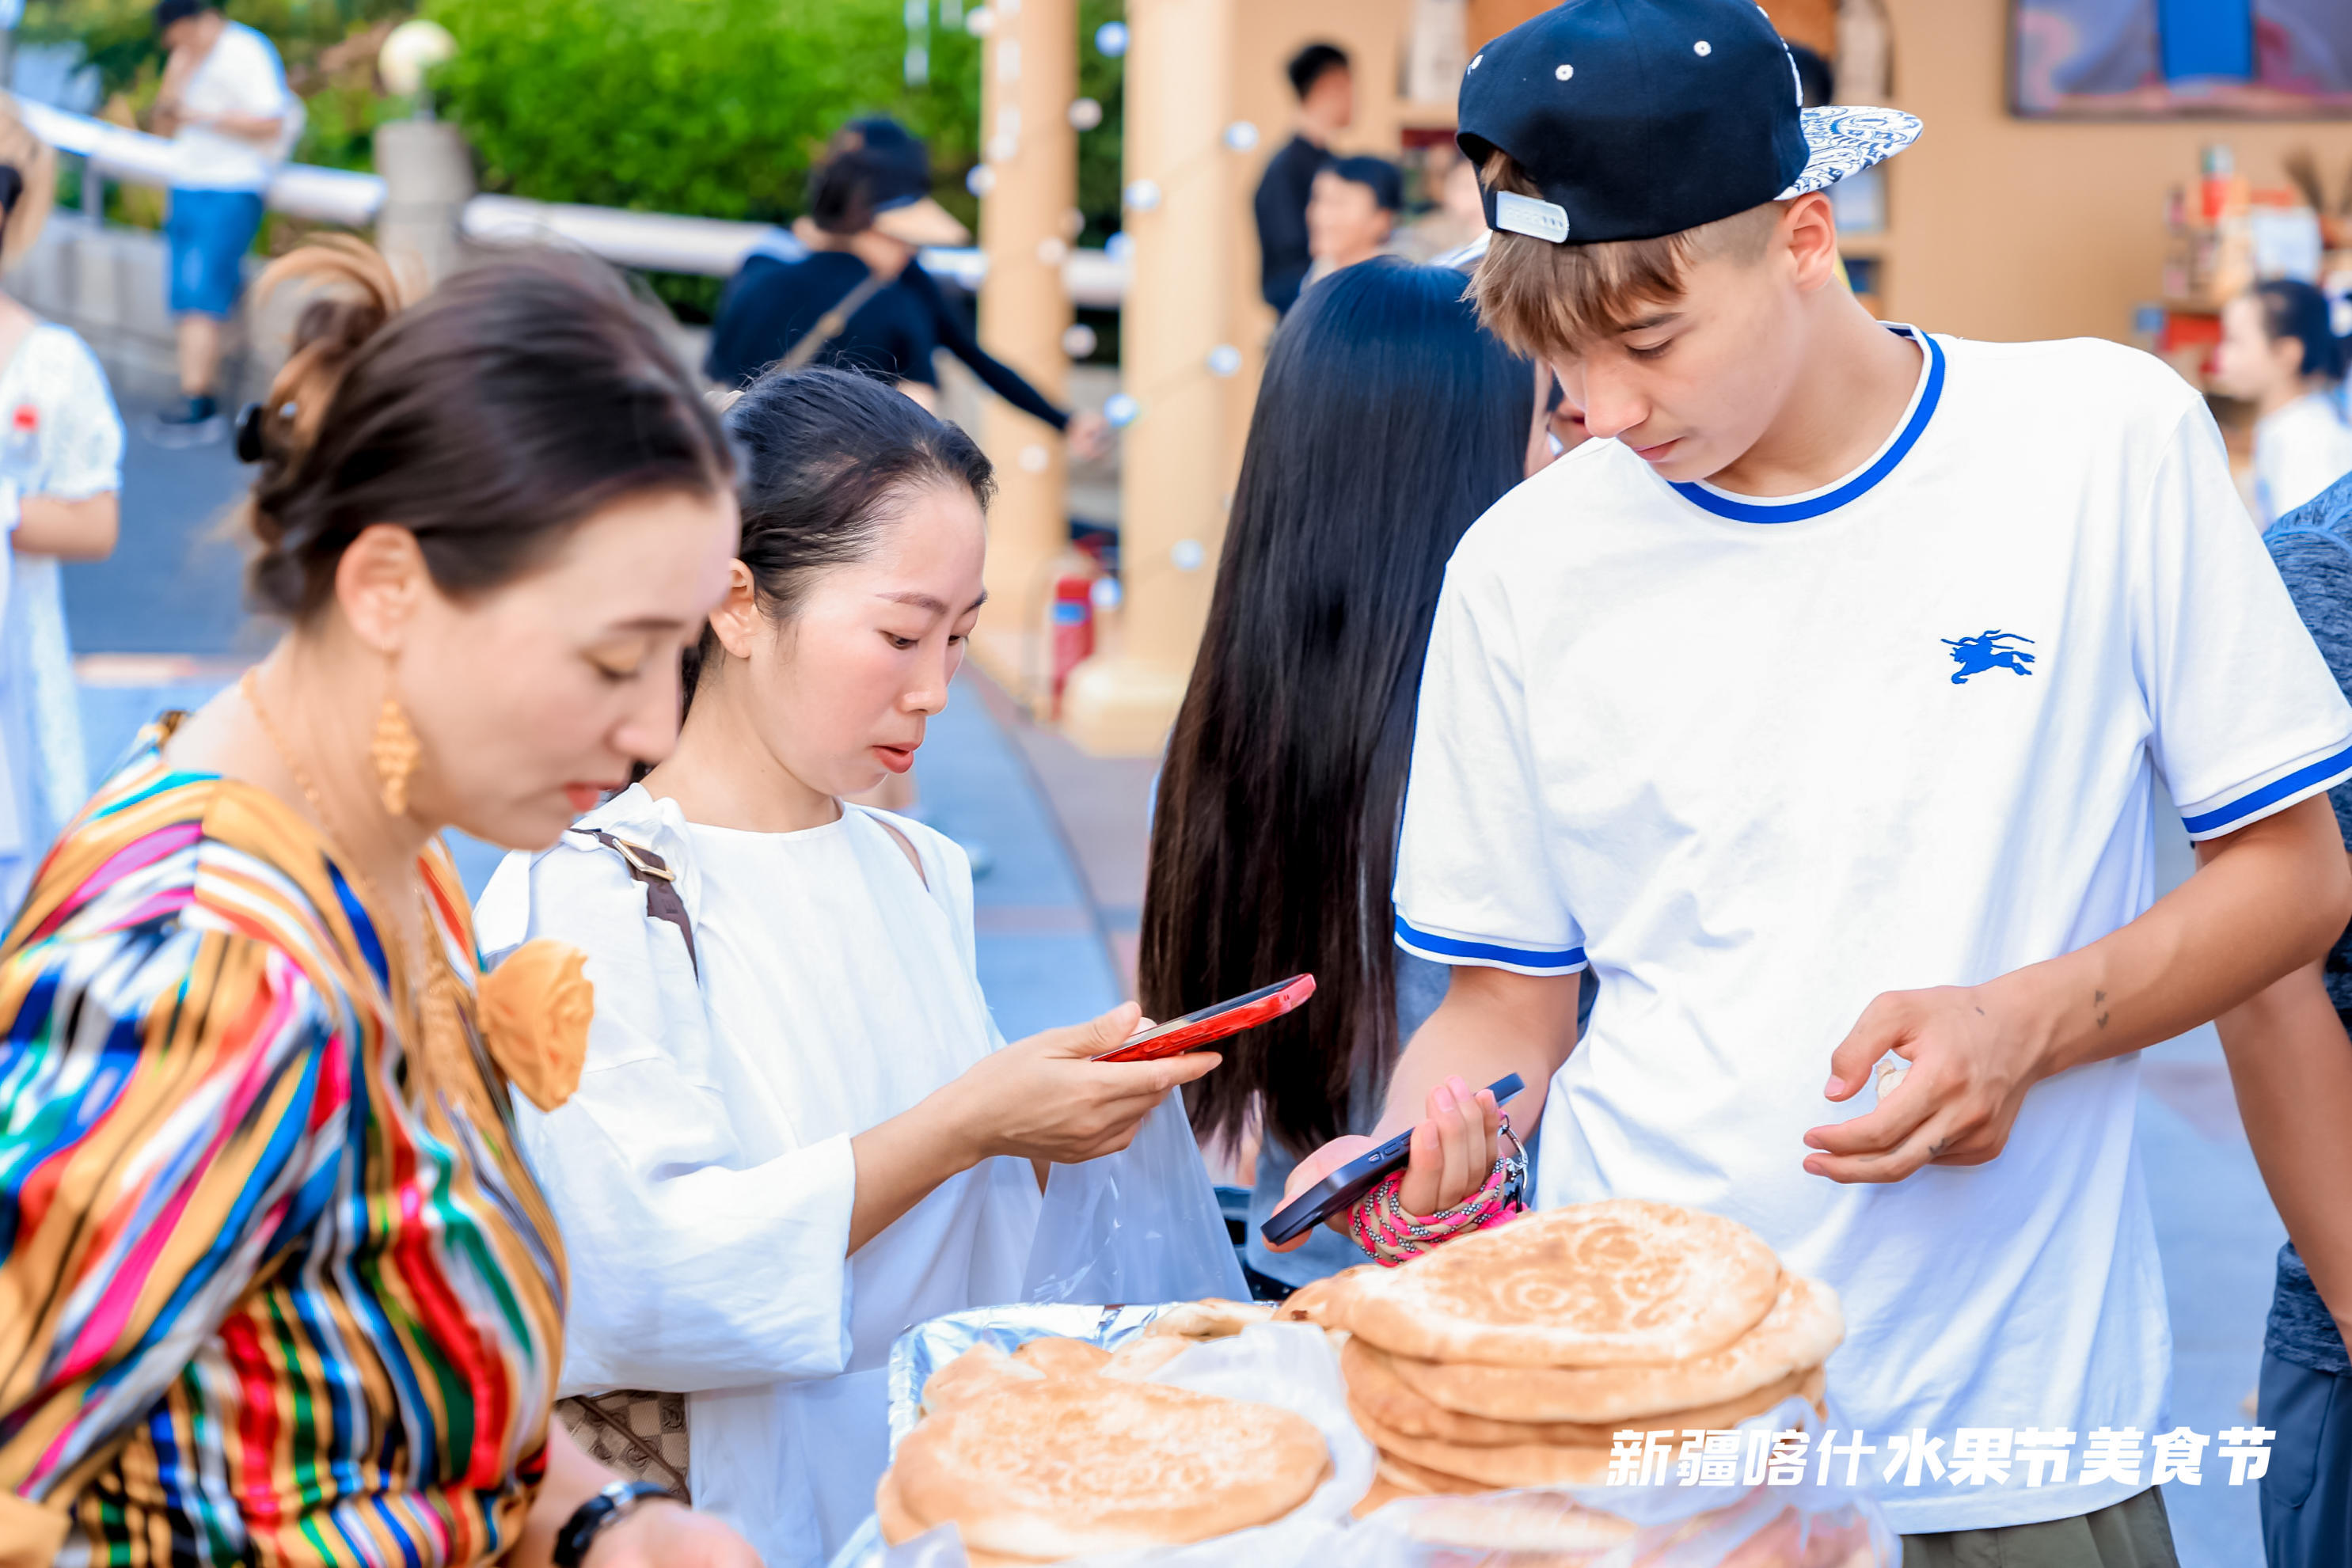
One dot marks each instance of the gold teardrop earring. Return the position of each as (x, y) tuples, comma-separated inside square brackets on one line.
[(395, 751)]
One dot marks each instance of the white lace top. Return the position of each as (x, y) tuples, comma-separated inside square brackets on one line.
[(60, 436)]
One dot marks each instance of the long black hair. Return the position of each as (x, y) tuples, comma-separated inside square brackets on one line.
[(1387, 423)]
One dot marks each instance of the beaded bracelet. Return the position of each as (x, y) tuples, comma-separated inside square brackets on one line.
[(1381, 1226)]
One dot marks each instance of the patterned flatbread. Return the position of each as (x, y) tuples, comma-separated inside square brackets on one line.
[(1801, 1329), (1517, 1465), (1066, 1466), (1618, 1283), (1374, 1384)]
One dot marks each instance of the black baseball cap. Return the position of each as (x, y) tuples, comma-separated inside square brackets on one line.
[(892, 167), (1642, 117), (170, 11)]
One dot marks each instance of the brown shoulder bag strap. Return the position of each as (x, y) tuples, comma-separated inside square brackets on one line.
[(830, 325), (662, 900)]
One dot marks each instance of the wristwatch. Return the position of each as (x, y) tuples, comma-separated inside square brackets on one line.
[(592, 1518)]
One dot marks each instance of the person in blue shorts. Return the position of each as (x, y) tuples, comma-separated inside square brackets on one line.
[(232, 119)]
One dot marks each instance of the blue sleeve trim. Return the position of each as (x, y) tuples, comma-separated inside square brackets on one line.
[(1448, 947), (2326, 770)]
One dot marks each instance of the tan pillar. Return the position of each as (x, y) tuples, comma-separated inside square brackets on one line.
[(1029, 73), (1172, 486)]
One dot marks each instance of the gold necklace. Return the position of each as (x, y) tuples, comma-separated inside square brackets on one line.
[(438, 1011)]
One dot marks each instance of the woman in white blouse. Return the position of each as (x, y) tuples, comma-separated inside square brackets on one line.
[(60, 473), (798, 1131), (2280, 352)]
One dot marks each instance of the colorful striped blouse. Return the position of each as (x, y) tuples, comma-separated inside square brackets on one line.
[(270, 1292)]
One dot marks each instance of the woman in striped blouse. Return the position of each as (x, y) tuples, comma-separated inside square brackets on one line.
[(275, 1285)]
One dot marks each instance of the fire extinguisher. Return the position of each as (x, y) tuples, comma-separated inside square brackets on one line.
[(1074, 629)]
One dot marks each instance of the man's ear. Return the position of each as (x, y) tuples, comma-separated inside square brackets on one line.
[(737, 617), (1808, 236)]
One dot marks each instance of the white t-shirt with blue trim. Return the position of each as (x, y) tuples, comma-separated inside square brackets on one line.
[(1758, 761)]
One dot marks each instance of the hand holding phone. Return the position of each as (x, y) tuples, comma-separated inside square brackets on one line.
[(1212, 1024), (1340, 1190)]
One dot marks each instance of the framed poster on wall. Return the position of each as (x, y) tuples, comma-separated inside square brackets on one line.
[(2161, 59)]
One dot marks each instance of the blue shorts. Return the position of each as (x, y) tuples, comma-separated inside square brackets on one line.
[(209, 233)]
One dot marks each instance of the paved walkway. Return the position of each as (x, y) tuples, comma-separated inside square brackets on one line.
[(1065, 835)]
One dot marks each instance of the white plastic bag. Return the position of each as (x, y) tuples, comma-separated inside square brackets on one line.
[(1141, 1225)]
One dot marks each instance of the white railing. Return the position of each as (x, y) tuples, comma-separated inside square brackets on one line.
[(661, 242)]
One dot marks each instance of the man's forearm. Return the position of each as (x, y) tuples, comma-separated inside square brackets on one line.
[(1491, 1023), (2266, 900), (2291, 1066)]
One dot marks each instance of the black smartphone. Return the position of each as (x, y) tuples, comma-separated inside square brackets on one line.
[(1357, 1177)]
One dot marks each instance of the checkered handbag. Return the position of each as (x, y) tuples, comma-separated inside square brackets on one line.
[(640, 1434)]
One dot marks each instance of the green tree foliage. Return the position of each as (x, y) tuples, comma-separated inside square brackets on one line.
[(1101, 77), (709, 106)]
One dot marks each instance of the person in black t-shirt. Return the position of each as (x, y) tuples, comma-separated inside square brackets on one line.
[(1327, 106), (859, 285)]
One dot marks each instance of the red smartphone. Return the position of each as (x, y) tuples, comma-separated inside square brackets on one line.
[(1212, 1024)]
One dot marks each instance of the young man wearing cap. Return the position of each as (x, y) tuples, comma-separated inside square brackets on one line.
[(1821, 713), (232, 120)]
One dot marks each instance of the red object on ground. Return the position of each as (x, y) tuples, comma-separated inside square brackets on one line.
[(1074, 629)]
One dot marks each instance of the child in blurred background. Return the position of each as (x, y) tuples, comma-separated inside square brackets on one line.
[(1353, 214)]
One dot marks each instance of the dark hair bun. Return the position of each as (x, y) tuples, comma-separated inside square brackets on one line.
[(487, 417)]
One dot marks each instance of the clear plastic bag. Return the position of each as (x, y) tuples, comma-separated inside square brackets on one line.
[(1141, 1225), (1806, 1523)]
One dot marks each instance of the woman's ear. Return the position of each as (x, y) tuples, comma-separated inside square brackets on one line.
[(738, 620), (381, 582)]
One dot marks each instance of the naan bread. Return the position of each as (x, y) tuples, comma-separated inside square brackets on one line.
[(978, 1371), (1373, 1383), (1318, 1300), (1804, 1326), (1518, 1465), (1423, 1482), (1058, 1357), (1211, 1319), (1140, 1358), (1062, 1466), (1617, 1283)]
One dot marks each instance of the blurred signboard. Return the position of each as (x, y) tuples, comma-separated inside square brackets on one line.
[(2104, 59)]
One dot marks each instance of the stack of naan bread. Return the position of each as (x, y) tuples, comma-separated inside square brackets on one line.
[(1062, 1448), (1511, 1358)]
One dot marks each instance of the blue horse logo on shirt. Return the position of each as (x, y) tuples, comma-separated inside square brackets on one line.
[(1989, 651)]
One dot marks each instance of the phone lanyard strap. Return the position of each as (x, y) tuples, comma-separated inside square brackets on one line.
[(1381, 1226)]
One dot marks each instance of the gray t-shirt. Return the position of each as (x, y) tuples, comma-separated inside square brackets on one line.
[(2313, 548)]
